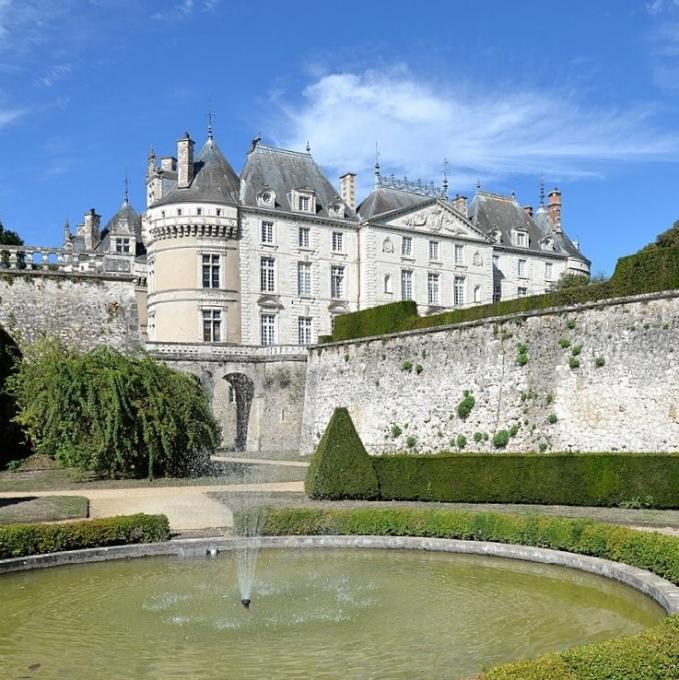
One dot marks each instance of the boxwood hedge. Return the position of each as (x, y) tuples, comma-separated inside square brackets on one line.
[(18, 540), (606, 479), (651, 655), (646, 272)]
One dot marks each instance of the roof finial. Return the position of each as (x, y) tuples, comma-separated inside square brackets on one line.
[(308, 146), (127, 185), (377, 165), (210, 116), (445, 178), (542, 191), (478, 185)]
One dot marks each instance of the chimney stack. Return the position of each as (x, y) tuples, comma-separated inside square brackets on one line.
[(89, 229), (554, 208), (460, 204), (529, 210), (185, 161), (348, 189)]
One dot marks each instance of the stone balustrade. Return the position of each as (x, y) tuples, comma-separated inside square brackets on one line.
[(179, 351)]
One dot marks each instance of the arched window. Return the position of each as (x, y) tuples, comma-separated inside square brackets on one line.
[(387, 283), (477, 293)]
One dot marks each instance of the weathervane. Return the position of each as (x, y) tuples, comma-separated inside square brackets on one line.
[(126, 184), (210, 116)]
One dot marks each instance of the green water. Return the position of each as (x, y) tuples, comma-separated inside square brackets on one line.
[(315, 614)]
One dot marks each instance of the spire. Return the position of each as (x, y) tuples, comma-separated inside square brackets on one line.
[(308, 146), (126, 184), (478, 185), (377, 166), (210, 116), (445, 178), (542, 191)]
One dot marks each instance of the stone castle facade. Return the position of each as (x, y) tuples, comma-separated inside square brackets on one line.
[(271, 256)]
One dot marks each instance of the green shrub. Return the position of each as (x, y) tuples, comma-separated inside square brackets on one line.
[(419, 368), (407, 366), (411, 441), (570, 324), (464, 408), (396, 316), (340, 466), (552, 418), (19, 540), (514, 430), (112, 414), (501, 439), (599, 362), (565, 343), (396, 431), (576, 351), (461, 441), (553, 479), (478, 437), (574, 362)]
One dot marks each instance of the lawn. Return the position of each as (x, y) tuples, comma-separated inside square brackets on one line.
[(43, 509)]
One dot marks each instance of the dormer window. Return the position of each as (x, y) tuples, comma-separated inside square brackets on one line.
[(179, 212), (303, 200), (496, 235), (547, 244), (122, 246), (521, 239), (337, 208), (303, 203), (266, 198)]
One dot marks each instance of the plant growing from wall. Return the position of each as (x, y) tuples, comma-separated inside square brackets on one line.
[(461, 441), (522, 354), (514, 430), (396, 431), (419, 368), (407, 366), (464, 408), (478, 437), (552, 418), (570, 324), (574, 362), (565, 343), (501, 439), (411, 441), (599, 362), (576, 351)]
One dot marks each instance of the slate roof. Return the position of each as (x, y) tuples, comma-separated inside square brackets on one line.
[(281, 171), (384, 199), (214, 180), (126, 221)]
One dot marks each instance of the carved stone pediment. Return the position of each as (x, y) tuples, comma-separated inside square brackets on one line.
[(269, 301), (438, 218)]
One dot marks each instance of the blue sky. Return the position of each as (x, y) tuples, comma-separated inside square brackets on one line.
[(584, 92)]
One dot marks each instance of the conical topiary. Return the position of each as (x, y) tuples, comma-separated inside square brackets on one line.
[(341, 467)]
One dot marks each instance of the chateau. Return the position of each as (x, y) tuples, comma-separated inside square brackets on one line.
[(270, 257)]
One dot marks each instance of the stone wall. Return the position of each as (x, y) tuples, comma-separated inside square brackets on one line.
[(82, 310), (599, 377), (267, 390)]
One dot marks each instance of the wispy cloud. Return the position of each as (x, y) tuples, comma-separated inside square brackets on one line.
[(185, 8), (9, 116), (661, 6), (483, 133)]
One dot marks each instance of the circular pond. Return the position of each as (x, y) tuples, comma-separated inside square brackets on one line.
[(315, 614)]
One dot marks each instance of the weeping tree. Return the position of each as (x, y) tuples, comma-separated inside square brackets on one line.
[(111, 414)]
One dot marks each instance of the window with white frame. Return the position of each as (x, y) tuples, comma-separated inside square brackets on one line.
[(267, 275), (337, 282), (521, 239), (497, 292), (548, 271), (304, 330), (521, 291), (407, 246), (212, 325), (496, 262), (459, 255), (522, 269), (123, 245), (210, 262), (304, 278), (433, 250), (387, 284), (406, 284), (458, 291), (303, 237), (477, 293), (433, 286), (337, 242), (267, 231), (268, 329), (304, 203)]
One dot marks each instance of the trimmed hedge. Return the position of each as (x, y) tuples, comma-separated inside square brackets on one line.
[(18, 540), (649, 271), (651, 655), (606, 479), (340, 466)]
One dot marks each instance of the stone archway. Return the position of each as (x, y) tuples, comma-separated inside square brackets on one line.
[(244, 388)]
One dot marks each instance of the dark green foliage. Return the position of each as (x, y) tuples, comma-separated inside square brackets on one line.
[(552, 418), (501, 439), (17, 540), (599, 362), (464, 408), (9, 238), (576, 351), (395, 431), (12, 445), (478, 437), (419, 368), (111, 414), (566, 281), (570, 324), (340, 466), (565, 343), (324, 339), (407, 366), (514, 430), (551, 479), (667, 239), (411, 441), (574, 362), (461, 441), (396, 316)]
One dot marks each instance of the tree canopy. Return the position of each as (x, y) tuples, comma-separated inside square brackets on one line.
[(667, 239), (9, 238)]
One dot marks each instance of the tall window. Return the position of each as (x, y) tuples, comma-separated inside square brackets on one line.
[(548, 271), (304, 330), (304, 278), (433, 250), (497, 292), (407, 246), (212, 325), (337, 282), (387, 283), (458, 291), (303, 237), (406, 284), (459, 255), (433, 289), (268, 329), (304, 203), (521, 239), (522, 269), (496, 262), (522, 292), (267, 276), (210, 271), (267, 231), (122, 245), (337, 242)]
